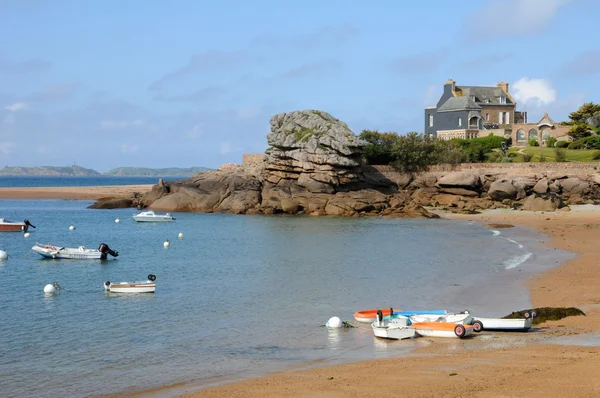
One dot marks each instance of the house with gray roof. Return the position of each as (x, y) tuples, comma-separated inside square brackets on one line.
[(472, 111)]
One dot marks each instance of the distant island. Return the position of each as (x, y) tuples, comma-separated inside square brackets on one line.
[(78, 171)]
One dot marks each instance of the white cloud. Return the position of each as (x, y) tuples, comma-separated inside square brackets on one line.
[(121, 124), (512, 17), (6, 147), (536, 92), (17, 106), (129, 148)]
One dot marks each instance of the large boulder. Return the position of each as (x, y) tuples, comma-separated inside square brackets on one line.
[(541, 186), (542, 202), (574, 185), (503, 189), (460, 180), (351, 203)]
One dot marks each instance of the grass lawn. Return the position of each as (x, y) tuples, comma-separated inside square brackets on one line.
[(544, 154)]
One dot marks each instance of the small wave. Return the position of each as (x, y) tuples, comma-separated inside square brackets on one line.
[(515, 261), (515, 242), (495, 232)]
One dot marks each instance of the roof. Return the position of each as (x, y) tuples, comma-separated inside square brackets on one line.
[(458, 104), (546, 121), (484, 95)]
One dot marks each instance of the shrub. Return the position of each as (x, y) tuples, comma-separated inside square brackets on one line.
[(494, 157), (415, 152), (533, 142), (379, 146), (561, 144), (592, 142), (542, 158), (579, 131), (527, 157), (596, 155), (550, 142), (560, 154)]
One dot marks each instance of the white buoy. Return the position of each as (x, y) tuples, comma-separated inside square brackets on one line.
[(117, 221), (72, 227), (334, 322), (49, 289), (3, 255), (26, 235), (180, 236), (167, 244)]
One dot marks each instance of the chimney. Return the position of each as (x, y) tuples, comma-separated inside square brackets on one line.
[(503, 86), (452, 83)]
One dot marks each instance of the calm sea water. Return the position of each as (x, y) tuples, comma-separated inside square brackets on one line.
[(45, 181), (237, 297)]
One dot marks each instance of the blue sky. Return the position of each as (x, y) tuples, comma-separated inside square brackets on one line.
[(193, 83)]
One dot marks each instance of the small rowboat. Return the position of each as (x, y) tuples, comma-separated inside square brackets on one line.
[(464, 317), (498, 324), (369, 316), (442, 329), (394, 329), (132, 287)]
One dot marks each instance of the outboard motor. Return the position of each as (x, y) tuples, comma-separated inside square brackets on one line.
[(105, 251), (27, 225)]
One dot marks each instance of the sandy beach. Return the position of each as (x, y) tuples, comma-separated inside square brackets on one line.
[(72, 193), (519, 365)]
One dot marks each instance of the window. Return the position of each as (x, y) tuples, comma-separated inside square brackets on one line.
[(487, 117), (502, 100), (500, 114), (507, 117), (459, 121), (430, 120), (472, 97)]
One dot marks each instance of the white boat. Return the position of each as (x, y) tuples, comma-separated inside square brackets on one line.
[(132, 287), (14, 226), (151, 216), (463, 317), (80, 253), (395, 329), (519, 324), (442, 329)]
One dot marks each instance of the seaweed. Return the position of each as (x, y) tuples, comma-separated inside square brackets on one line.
[(544, 314)]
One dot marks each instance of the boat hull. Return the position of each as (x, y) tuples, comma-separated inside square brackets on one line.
[(152, 219), (80, 253), (12, 227), (393, 332), (131, 287), (498, 324), (442, 329), (466, 319)]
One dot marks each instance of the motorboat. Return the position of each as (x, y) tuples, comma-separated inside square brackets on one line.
[(442, 329), (14, 226), (79, 253), (395, 329), (369, 316), (151, 216), (463, 317), (499, 324), (132, 287)]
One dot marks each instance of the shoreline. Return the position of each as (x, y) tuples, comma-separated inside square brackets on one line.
[(73, 192), (530, 364)]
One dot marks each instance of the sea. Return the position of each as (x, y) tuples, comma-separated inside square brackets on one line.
[(238, 296)]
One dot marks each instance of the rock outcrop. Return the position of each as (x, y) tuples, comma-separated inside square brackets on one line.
[(313, 166)]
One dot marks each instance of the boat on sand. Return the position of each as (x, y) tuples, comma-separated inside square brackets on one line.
[(442, 329), (461, 317), (369, 316), (395, 329), (132, 287), (499, 324), (80, 253)]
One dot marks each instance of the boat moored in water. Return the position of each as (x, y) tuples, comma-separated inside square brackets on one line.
[(151, 216), (369, 316), (132, 287), (80, 253), (14, 226)]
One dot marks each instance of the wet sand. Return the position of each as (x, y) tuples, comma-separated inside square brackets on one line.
[(504, 364), (72, 193)]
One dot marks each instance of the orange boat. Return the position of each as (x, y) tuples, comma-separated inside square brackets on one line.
[(369, 316), (442, 329)]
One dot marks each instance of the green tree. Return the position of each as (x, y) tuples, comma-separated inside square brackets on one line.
[(415, 152), (380, 146), (579, 131), (585, 112)]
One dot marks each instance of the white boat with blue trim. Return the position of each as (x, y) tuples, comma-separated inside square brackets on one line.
[(151, 216), (78, 253)]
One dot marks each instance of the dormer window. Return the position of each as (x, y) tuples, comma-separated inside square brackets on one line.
[(502, 100), (472, 97)]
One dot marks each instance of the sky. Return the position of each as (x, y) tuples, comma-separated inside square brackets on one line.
[(185, 83)]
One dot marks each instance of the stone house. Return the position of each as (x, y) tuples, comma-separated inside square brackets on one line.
[(540, 131)]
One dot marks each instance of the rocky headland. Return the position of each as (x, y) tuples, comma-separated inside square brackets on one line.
[(314, 166)]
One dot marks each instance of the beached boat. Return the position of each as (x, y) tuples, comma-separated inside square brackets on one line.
[(395, 329), (498, 324), (442, 329), (463, 317), (369, 316), (80, 253), (14, 226), (132, 287), (151, 216)]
